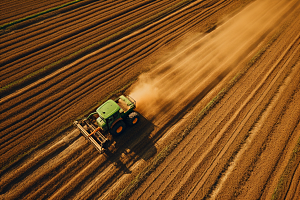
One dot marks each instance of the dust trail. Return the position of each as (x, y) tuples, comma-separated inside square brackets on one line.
[(204, 59)]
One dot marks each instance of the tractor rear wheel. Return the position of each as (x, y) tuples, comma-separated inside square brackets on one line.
[(133, 118), (118, 128)]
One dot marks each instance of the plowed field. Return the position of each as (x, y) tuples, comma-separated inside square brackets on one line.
[(216, 83)]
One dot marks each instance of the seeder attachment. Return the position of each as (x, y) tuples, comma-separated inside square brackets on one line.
[(93, 134)]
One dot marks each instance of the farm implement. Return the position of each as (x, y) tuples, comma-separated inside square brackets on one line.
[(111, 117)]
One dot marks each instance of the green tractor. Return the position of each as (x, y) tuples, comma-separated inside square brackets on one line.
[(112, 116)]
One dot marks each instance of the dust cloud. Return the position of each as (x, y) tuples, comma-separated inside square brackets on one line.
[(203, 59)]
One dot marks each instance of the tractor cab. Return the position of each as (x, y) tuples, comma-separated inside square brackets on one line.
[(108, 113), (111, 112)]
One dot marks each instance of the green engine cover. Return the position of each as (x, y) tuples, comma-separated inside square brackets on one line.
[(108, 109)]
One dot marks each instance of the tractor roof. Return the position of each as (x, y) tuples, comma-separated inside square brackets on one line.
[(108, 109)]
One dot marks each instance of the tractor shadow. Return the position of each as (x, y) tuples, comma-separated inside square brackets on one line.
[(134, 144)]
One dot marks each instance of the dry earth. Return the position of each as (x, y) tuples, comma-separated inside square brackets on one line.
[(245, 146)]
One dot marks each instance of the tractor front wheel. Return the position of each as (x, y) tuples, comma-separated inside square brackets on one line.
[(118, 128), (133, 118)]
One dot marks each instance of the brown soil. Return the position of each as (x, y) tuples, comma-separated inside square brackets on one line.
[(239, 150)]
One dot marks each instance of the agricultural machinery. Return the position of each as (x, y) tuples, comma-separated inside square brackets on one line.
[(111, 117)]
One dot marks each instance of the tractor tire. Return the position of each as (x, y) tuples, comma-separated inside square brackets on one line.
[(133, 118), (118, 128)]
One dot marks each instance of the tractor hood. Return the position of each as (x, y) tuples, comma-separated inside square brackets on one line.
[(108, 109)]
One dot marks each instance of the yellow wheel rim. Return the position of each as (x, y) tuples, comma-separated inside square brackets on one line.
[(119, 129), (135, 121)]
